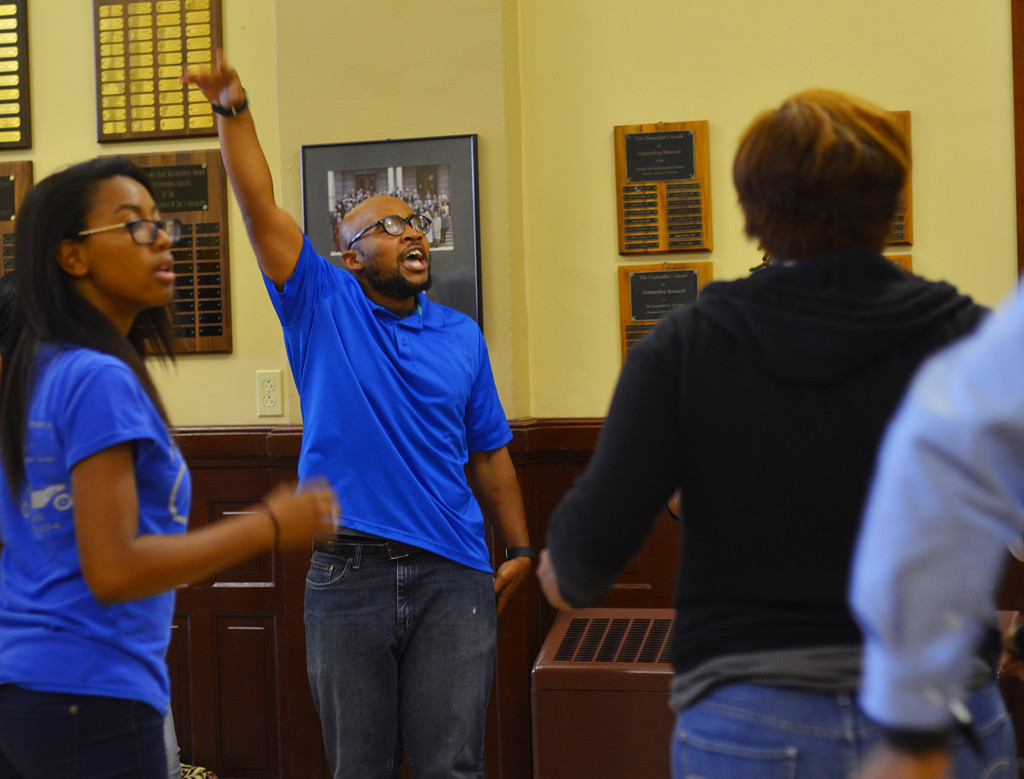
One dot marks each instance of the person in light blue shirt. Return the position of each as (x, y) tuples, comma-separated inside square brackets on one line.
[(948, 496)]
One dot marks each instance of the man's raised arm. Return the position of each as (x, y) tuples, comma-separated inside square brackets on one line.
[(275, 237)]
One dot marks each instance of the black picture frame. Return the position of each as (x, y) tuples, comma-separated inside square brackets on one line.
[(441, 171)]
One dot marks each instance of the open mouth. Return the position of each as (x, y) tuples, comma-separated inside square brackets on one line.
[(415, 259)]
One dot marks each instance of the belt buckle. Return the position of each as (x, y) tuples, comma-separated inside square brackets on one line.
[(324, 544), (389, 547)]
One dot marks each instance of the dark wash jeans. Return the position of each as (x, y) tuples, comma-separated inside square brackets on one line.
[(68, 736), (400, 652)]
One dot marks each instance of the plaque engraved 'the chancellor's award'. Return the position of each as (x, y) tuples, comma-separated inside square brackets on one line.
[(192, 186), (647, 293), (662, 180)]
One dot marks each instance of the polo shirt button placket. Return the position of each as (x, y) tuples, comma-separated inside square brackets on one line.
[(403, 343)]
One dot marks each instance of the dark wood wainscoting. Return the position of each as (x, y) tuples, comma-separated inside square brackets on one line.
[(240, 696)]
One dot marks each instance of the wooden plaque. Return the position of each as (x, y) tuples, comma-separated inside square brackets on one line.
[(663, 187), (903, 260), (903, 225), (141, 50), (192, 186), (15, 181), (15, 105), (649, 292)]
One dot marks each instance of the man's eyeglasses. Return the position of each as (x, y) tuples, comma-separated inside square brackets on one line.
[(143, 231), (395, 225)]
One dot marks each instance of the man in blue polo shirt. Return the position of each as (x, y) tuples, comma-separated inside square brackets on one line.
[(397, 397)]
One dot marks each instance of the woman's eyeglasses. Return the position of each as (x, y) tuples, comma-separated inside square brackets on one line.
[(143, 231)]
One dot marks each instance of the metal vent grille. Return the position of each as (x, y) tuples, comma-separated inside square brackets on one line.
[(615, 640)]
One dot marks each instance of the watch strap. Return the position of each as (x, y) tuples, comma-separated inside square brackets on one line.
[(520, 551), (234, 110)]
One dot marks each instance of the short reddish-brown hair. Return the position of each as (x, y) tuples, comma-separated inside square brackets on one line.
[(821, 174)]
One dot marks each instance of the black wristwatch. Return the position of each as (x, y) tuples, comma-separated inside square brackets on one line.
[(520, 551), (231, 111)]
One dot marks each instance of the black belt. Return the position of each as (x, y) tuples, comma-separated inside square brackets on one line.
[(385, 550)]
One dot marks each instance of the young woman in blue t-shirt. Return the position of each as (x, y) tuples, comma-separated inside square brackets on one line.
[(95, 494)]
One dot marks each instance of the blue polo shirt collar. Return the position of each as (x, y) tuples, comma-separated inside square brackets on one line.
[(426, 314)]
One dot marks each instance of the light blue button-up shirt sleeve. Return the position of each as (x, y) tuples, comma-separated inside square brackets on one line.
[(948, 495)]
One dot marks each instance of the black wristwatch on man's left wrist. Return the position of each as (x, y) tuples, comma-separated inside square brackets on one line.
[(231, 111), (520, 551)]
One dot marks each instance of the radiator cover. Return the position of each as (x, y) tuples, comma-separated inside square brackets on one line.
[(599, 695)]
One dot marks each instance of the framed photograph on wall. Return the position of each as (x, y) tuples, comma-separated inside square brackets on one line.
[(437, 177)]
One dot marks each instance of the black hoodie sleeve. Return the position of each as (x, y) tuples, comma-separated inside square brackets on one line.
[(603, 520)]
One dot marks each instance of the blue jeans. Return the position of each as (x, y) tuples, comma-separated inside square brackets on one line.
[(66, 736), (747, 731), (400, 652)]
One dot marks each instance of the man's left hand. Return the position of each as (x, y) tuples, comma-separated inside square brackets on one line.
[(509, 576)]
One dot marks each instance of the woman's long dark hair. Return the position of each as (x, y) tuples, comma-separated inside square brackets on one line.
[(47, 308)]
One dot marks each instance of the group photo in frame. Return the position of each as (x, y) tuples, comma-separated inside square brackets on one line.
[(437, 177)]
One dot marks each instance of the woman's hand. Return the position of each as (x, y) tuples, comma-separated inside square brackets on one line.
[(298, 515), (549, 581)]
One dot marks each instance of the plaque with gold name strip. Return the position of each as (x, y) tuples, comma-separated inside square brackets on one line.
[(663, 187), (648, 293), (192, 187), (15, 181), (15, 106), (141, 50)]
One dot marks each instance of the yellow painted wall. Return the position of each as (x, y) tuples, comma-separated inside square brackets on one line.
[(589, 67), (542, 82), (198, 389), (369, 71)]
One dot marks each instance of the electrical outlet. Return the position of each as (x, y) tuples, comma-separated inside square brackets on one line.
[(268, 394)]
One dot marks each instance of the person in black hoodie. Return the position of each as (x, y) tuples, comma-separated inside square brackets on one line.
[(6, 305), (763, 404)]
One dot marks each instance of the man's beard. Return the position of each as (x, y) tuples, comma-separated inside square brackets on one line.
[(393, 284)]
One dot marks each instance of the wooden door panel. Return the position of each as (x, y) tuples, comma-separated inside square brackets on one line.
[(227, 643), (248, 695)]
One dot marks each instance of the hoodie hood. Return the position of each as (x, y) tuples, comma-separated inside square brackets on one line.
[(822, 319)]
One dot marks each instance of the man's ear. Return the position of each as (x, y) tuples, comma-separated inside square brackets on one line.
[(352, 260), (73, 257)]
